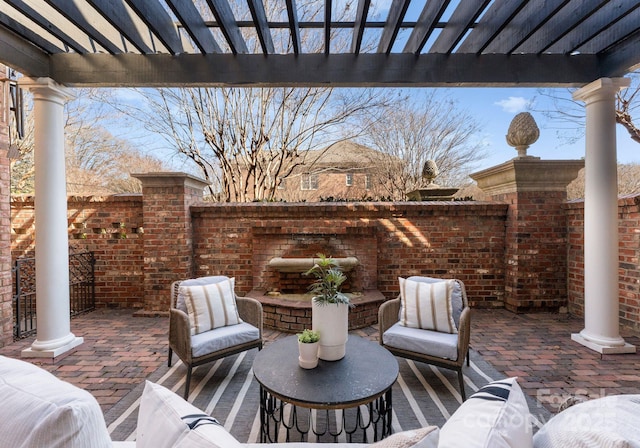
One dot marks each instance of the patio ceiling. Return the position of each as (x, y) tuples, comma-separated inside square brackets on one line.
[(247, 43)]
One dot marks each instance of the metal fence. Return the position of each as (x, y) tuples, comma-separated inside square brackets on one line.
[(81, 290)]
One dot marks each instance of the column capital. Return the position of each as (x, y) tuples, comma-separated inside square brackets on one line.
[(603, 88), (46, 89)]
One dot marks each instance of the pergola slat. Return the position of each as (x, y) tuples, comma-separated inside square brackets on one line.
[(392, 26), (430, 14), (563, 22), (525, 23), (159, 22), (592, 26), (294, 27), (86, 18), (68, 37), (194, 24), (358, 26), (26, 33), (132, 28), (224, 16), (493, 22), (461, 20), (262, 27), (613, 34), (327, 26)]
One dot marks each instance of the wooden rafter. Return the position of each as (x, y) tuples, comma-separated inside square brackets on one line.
[(159, 22), (359, 25), (430, 14), (224, 16), (294, 27), (461, 21), (394, 21), (262, 27), (194, 25)]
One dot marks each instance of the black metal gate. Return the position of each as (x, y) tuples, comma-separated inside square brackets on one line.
[(81, 290)]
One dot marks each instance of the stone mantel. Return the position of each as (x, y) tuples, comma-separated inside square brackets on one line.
[(528, 174)]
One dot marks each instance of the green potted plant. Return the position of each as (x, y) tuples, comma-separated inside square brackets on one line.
[(329, 279), (329, 308), (308, 348)]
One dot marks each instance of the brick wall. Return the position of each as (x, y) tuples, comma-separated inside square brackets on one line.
[(455, 239), (111, 227), (6, 312), (629, 267)]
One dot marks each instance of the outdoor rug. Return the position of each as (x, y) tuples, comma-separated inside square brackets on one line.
[(226, 389)]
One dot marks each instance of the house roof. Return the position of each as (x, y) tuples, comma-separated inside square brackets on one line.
[(345, 154), (113, 43)]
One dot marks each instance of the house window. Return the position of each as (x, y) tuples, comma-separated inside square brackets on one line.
[(367, 181), (349, 179), (309, 182)]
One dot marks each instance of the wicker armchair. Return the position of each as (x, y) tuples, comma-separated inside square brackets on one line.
[(183, 343), (425, 341)]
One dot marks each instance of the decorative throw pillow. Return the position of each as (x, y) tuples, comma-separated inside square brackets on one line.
[(414, 438), (427, 305), (165, 420), (39, 410), (497, 416), (607, 422), (211, 306)]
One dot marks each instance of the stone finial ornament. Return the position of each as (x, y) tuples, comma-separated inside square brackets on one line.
[(523, 132), (429, 171)]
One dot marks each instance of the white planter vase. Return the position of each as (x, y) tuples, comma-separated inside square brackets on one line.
[(308, 358), (332, 322)]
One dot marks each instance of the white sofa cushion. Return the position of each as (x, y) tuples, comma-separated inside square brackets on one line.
[(608, 422), (223, 337), (211, 306), (39, 410), (163, 420), (427, 305), (433, 343), (497, 416)]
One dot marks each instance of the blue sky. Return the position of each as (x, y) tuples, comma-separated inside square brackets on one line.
[(494, 108)]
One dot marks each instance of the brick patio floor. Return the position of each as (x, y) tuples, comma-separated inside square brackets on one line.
[(120, 351)]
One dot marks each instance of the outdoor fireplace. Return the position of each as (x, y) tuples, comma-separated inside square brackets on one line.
[(280, 261)]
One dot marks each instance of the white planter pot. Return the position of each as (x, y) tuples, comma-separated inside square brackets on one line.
[(308, 358), (332, 322)]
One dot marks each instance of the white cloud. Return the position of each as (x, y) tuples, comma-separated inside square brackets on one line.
[(513, 104)]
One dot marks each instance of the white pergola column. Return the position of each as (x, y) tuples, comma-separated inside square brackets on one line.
[(53, 322), (601, 303)]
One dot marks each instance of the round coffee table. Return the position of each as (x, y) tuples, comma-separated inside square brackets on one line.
[(359, 385)]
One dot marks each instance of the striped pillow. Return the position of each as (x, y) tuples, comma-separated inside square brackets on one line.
[(211, 306), (427, 305), (496, 416)]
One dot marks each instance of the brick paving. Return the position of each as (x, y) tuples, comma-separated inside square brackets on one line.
[(120, 351)]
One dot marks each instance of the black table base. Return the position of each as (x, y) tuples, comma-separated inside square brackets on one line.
[(355, 423)]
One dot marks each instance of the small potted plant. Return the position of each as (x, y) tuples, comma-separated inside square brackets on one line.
[(329, 308), (308, 348)]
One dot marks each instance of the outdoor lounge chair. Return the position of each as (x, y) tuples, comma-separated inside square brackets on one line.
[(195, 346), (437, 347)]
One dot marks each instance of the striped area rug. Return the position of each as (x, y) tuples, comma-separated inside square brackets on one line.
[(423, 395)]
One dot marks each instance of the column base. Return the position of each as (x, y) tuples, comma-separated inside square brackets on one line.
[(603, 349), (54, 352)]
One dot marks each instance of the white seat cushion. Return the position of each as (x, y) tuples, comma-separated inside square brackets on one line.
[(427, 342), (39, 410), (223, 337)]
